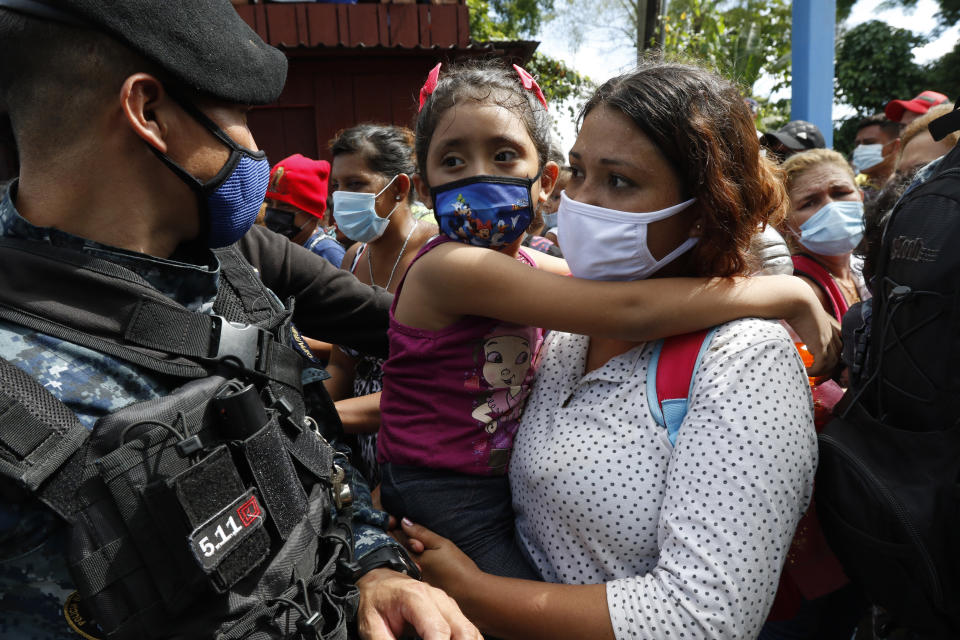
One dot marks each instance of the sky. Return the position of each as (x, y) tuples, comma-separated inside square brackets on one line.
[(600, 60)]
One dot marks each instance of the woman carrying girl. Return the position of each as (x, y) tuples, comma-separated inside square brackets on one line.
[(464, 343)]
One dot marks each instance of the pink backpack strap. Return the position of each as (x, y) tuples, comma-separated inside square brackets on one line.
[(810, 268), (670, 377)]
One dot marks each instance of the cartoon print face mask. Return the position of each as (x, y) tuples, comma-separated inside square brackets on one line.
[(485, 211)]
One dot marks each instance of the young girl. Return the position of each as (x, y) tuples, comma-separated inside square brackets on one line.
[(464, 341)]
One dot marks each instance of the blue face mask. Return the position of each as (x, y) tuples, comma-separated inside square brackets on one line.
[(356, 214), (550, 221), (866, 156), (230, 201), (835, 229), (486, 211)]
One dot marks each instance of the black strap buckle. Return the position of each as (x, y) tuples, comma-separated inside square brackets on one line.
[(243, 345)]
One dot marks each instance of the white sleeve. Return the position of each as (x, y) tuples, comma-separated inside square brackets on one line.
[(740, 477)]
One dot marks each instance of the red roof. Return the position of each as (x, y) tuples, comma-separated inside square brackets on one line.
[(315, 24)]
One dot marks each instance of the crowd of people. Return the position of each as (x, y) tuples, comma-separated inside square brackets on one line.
[(456, 381)]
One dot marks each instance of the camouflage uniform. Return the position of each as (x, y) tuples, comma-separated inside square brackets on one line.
[(34, 581)]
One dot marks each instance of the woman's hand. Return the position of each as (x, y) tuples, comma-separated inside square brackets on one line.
[(819, 331), (441, 562)]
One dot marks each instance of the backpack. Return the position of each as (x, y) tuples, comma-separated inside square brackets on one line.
[(811, 570), (806, 266), (888, 482), (214, 511)]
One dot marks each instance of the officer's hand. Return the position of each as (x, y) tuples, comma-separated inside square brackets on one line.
[(390, 601)]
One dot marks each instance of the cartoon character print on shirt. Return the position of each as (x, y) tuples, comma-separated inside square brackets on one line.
[(505, 367)]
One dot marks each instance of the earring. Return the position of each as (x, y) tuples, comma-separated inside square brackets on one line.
[(398, 198)]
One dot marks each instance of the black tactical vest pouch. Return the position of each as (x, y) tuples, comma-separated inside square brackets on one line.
[(187, 530)]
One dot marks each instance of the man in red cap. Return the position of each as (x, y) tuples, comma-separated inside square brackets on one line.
[(296, 203), (906, 111)]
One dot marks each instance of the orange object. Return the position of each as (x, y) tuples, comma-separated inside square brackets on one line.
[(807, 358)]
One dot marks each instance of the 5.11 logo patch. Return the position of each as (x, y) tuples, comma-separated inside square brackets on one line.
[(215, 538)]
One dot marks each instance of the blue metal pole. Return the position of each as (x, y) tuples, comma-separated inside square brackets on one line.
[(813, 50)]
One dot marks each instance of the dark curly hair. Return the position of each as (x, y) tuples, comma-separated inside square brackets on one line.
[(482, 81), (700, 123)]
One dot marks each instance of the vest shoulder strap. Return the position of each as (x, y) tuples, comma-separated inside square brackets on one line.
[(39, 436), (105, 307), (670, 377)]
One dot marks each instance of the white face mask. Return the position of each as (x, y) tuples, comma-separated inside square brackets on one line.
[(606, 244)]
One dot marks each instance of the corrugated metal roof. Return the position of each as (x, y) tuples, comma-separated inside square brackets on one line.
[(314, 24)]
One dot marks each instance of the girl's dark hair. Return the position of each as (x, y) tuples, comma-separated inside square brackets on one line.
[(700, 123), (482, 81), (385, 148)]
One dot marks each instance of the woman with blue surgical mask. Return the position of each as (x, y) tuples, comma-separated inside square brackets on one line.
[(372, 198), (824, 225)]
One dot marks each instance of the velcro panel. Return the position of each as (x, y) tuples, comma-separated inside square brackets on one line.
[(38, 432), (276, 477), (166, 328), (204, 491), (105, 566), (313, 453), (22, 432)]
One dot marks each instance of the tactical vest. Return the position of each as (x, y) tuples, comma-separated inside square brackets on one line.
[(215, 511)]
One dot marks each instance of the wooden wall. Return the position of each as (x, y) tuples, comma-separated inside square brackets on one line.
[(326, 94), (350, 63)]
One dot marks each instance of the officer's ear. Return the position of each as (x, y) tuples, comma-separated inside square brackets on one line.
[(147, 109)]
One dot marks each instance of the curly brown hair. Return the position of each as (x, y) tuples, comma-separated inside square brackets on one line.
[(700, 123)]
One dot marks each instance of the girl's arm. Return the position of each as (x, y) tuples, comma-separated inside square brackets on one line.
[(456, 280), (507, 607), (360, 415), (319, 348), (342, 369)]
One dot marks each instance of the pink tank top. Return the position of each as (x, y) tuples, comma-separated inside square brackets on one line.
[(452, 398)]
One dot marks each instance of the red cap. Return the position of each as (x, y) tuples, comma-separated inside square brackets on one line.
[(921, 104), (300, 182)]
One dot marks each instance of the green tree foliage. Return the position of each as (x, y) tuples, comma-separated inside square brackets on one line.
[(492, 20), (559, 82), (844, 7), (943, 75), (742, 39), (874, 64), (948, 14), (522, 16)]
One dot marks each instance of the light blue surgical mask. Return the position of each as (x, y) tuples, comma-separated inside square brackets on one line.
[(866, 156), (834, 230), (356, 214), (550, 221)]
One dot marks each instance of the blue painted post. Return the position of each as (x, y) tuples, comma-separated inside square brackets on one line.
[(813, 50)]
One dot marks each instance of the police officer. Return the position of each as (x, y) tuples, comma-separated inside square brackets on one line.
[(130, 121)]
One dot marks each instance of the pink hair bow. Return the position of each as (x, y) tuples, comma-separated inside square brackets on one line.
[(530, 84), (429, 85)]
